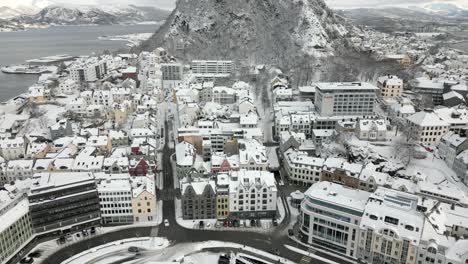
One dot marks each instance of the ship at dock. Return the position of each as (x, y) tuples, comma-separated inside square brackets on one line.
[(38, 66)]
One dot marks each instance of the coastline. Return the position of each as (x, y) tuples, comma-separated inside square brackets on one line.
[(14, 85)]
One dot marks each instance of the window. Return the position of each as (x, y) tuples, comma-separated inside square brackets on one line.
[(391, 220)]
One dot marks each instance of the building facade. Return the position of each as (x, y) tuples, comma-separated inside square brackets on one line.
[(344, 99), (199, 200), (330, 217), (61, 202), (252, 194), (115, 199), (16, 228)]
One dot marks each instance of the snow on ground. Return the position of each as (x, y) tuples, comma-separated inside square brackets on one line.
[(158, 249), (273, 157), (118, 251), (432, 167), (134, 39), (309, 254)]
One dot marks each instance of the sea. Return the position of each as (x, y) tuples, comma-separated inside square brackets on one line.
[(17, 47)]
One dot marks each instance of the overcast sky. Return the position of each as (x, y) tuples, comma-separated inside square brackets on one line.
[(169, 4), (379, 3)]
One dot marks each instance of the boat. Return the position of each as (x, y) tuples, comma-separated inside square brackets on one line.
[(26, 69)]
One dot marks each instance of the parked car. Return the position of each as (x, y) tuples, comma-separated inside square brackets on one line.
[(166, 222), (133, 249), (275, 222)]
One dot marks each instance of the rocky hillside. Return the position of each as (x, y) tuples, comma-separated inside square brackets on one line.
[(254, 31)]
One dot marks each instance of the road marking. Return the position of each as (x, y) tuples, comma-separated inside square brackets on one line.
[(306, 260)]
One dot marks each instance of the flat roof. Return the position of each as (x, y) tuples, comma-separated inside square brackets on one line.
[(346, 86)]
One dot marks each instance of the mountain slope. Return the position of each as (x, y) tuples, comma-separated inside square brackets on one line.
[(267, 31), (79, 15)]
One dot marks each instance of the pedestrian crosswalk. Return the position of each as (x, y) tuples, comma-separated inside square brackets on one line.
[(306, 260), (168, 194)]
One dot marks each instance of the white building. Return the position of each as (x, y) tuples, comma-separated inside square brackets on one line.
[(204, 70), (371, 130), (19, 170), (343, 99), (252, 194), (301, 168), (330, 217), (450, 145), (427, 127), (224, 95), (185, 157), (115, 199), (16, 228), (440, 241), (88, 70), (252, 155), (68, 87), (390, 229), (14, 148)]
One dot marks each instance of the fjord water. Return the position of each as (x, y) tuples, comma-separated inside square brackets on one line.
[(16, 47)]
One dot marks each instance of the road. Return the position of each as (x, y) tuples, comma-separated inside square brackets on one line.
[(266, 242)]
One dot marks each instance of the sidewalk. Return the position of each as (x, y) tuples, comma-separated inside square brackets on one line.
[(217, 225)]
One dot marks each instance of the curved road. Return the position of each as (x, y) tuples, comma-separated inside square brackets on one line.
[(178, 234)]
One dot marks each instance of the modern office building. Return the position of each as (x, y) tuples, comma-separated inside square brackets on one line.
[(330, 217), (64, 202), (345, 99), (115, 198)]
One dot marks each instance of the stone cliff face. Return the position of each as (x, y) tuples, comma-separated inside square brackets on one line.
[(252, 31)]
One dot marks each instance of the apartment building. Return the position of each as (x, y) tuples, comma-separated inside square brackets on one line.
[(88, 70), (390, 228), (16, 228), (390, 86), (144, 203), (427, 127), (450, 145), (206, 70), (301, 168), (13, 148), (199, 199), (252, 194), (345, 99), (222, 196)]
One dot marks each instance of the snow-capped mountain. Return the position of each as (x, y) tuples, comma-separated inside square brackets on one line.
[(267, 31), (53, 14), (13, 8), (446, 9)]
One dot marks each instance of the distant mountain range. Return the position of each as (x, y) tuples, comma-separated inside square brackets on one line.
[(21, 17), (444, 9), (433, 17)]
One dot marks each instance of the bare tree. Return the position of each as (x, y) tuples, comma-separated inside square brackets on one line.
[(404, 146)]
